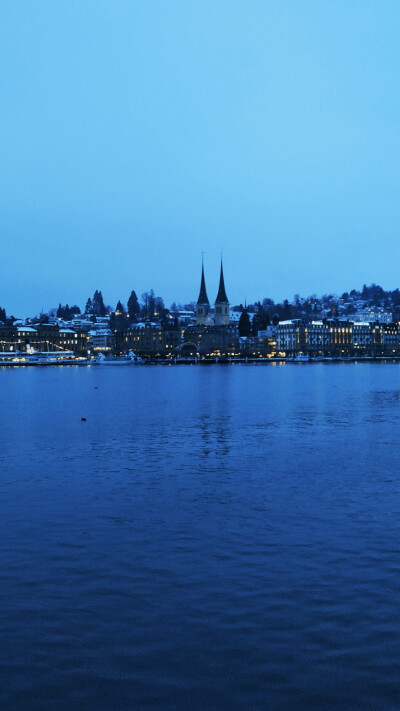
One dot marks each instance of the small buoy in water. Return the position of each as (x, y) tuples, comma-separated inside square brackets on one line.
[(96, 387), (83, 419)]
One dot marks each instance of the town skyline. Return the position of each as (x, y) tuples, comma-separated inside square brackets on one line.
[(325, 305), (249, 293)]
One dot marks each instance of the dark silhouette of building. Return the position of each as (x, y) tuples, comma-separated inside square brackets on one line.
[(221, 317), (203, 304)]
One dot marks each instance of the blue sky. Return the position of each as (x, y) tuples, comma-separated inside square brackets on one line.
[(136, 134)]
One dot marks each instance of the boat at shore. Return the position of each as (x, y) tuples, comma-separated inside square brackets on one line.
[(130, 359), (21, 358), (299, 358)]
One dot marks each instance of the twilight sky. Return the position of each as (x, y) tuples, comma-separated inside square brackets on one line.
[(136, 134)]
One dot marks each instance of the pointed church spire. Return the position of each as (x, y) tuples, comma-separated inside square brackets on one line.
[(203, 298), (221, 296)]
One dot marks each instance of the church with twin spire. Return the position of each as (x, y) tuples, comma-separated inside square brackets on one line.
[(204, 317), (213, 334)]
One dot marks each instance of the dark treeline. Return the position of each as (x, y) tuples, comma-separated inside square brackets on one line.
[(67, 312), (327, 306), (263, 313)]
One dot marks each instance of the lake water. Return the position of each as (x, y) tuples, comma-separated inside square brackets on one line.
[(212, 537)]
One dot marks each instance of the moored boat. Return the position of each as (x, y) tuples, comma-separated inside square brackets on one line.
[(299, 358), (130, 359), (22, 358)]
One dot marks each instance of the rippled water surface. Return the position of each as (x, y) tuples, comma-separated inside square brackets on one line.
[(221, 537)]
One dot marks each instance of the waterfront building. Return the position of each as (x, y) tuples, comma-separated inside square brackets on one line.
[(341, 337), (42, 337), (391, 338), (150, 339), (101, 339), (212, 340), (260, 346), (145, 338), (290, 337), (316, 337), (337, 338), (8, 338), (362, 337)]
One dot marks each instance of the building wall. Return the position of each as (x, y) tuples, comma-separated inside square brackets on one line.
[(150, 339), (42, 338), (221, 314), (257, 347), (213, 340), (337, 338), (202, 313)]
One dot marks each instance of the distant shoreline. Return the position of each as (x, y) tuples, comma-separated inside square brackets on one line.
[(222, 361)]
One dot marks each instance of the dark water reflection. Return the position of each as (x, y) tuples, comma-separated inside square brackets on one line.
[(210, 538)]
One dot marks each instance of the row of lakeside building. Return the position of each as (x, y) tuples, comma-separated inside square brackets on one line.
[(214, 331)]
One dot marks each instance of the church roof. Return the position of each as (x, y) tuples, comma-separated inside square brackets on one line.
[(221, 296), (203, 298)]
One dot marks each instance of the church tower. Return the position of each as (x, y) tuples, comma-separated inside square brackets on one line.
[(203, 304), (221, 303)]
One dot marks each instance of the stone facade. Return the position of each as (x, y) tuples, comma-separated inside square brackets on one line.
[(150, 339), (337, 338), (212, 340), (42, 337), (221, 316)]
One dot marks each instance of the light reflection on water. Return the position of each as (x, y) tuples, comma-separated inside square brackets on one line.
[(220, 537)]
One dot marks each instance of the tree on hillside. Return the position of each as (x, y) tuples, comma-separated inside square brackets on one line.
[(151, 305), (3, 315), (98, 304), (244, 324), (165, 319), (119, 308), (286, 311), (261, 320), (191, 306), (147, 308), (95, 306), (158, 305), (67, 312), (133, 306)]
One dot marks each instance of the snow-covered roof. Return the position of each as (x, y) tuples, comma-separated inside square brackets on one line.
[(26, 329), (141, 324)]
